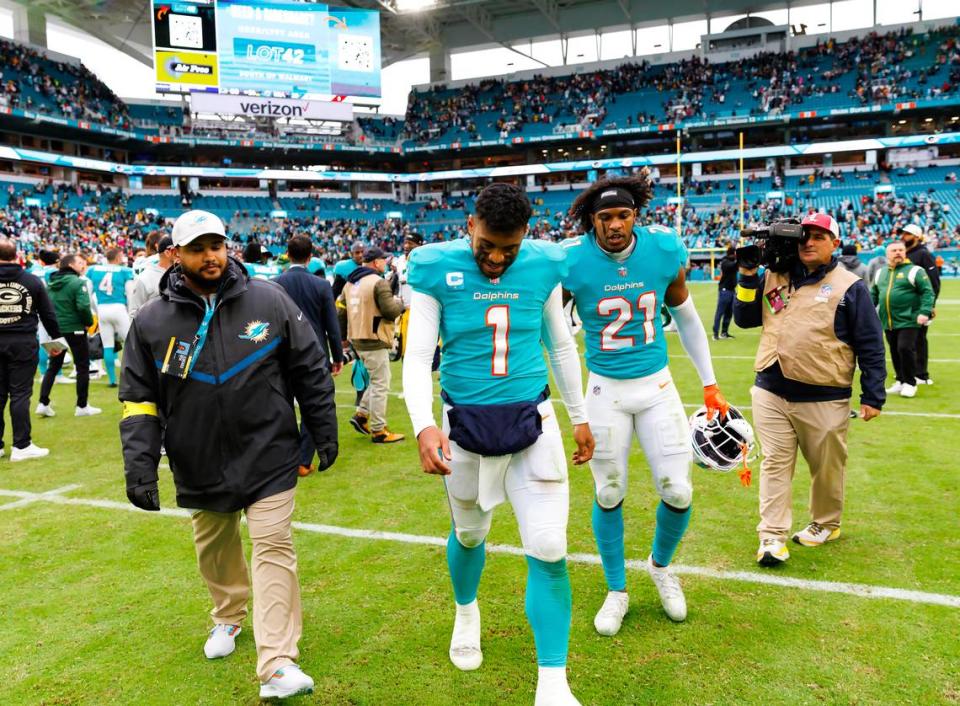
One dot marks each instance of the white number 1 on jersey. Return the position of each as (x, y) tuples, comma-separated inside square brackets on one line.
[(622, 307), (499, 318)]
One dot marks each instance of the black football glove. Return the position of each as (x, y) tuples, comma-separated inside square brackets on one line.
[(326, 455), (145, 496)]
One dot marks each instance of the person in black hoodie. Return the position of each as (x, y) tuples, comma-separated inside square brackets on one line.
[(23, 299), (211, 368), (725, 287)]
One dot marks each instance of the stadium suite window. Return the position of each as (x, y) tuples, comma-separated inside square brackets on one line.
[(852, 14), (938, 9)]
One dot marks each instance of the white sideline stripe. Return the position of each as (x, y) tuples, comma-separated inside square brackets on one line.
[(750, 357), (886, 413), (852, 589), (37, 497)]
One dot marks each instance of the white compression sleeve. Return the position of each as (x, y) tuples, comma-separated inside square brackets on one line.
[(693, 337), (564, 357), (423, 330)]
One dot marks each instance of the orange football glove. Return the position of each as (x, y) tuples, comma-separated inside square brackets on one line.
[(715, 402)]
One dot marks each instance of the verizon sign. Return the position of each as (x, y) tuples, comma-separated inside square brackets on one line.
[(253, 107)]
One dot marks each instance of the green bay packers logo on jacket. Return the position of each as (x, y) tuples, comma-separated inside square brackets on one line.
[(256, 331)]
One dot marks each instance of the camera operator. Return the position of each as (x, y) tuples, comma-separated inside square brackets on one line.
[(817, 320)]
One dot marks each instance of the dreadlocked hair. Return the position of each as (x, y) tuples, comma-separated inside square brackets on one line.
[(639, 186)]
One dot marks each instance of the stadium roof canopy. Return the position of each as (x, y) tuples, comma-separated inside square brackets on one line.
[(446, 24)]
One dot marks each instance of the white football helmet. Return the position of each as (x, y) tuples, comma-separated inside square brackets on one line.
[(722, 444)]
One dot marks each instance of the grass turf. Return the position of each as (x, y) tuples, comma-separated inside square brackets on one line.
[(102, 606)]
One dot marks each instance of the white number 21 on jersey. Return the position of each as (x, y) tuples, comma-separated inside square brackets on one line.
[(499, 318), (622, 308)]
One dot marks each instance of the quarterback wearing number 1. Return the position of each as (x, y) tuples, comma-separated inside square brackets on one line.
[(619, 274), (492, 299)]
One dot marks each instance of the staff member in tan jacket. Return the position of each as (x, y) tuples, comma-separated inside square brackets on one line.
[(818, 322), (369, 317)]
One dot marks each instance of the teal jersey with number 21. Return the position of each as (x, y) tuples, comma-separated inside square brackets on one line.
[(110, 282), (619, 302), (491, 329)]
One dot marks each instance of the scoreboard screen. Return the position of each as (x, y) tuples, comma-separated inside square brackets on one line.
[(266, 47)]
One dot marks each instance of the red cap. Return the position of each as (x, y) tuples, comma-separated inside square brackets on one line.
[(822, 220)]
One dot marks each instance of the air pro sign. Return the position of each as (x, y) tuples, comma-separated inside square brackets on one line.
[(253, 107)]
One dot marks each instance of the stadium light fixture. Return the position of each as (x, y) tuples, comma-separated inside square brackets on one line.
[(413, 5)]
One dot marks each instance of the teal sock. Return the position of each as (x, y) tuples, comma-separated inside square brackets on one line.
[(608, 531), (110, 362), (466, 567), (671, 526), (44, 359), (549, 608)]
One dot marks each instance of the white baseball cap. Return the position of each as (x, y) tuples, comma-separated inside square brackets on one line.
[(192, 224), (912, 229)]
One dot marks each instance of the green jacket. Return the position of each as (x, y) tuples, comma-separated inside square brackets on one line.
[(71, 301), (902, 294)]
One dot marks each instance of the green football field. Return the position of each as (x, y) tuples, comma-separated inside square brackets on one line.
[(103, 604)]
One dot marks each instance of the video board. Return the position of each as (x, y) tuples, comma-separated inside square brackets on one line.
[(267, 47)]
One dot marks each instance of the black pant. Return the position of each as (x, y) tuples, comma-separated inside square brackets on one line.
[(923, 372), (80, 350), (18, 363), (721, 319), (903, 351)]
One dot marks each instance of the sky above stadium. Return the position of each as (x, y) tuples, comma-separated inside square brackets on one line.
[(129, 78)]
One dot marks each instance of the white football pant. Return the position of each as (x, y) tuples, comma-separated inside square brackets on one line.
[(114, 322), (650, 409)]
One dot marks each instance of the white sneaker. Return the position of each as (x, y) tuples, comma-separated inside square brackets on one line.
[(87, 411), (552, 688), (32, 451), (895, 388), (671, 595), (815, 534), (64, 380), (610, 616), (465, 650), (289, 680), (908, 391), (45, 410), (772, 552), (222, 641)]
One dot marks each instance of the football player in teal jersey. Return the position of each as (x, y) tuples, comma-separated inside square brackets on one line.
[(344, 268), (112, 284), (253, 260), (619, 275), (44, 266), (492, 299)]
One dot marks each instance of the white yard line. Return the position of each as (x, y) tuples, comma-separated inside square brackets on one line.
[(28, 498), (768, 579)]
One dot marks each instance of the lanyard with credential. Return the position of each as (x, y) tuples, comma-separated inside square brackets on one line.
[(200, 338)]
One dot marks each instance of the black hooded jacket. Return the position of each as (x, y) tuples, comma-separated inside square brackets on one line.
[(23, 299), (229, 428)]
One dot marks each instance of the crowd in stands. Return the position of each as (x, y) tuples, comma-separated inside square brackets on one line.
[(31, 81)]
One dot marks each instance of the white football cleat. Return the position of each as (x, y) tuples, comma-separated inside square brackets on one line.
[(222, 641), (287, 681), (671, 595), (895, 388), (87, 411), (45, 410), (610, 616), (552, 688), (772, 552), (465, 650), (908, 391), (815, 534), (31, 451)]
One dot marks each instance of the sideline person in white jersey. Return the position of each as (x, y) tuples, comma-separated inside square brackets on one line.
[(493, 299), (146, 286), (620, 274), (112, 283)]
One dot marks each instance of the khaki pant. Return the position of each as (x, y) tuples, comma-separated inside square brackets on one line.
[(819, 430), (373, 404), (277, 620)]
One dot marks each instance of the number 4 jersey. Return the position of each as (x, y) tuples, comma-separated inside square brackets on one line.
[(491, 329), (110, 282), (619, 302)]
